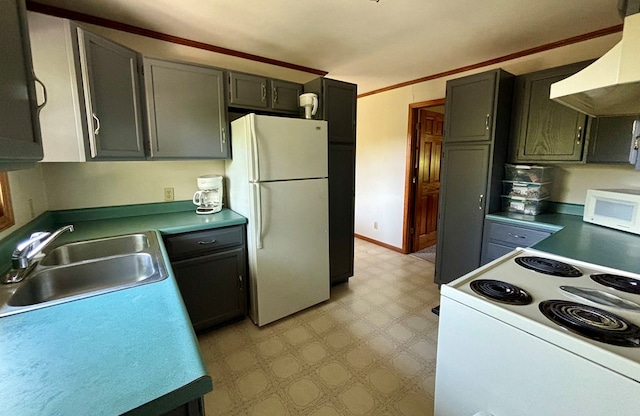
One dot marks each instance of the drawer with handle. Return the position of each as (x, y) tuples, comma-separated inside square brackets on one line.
[(199, 242), (514, 235)]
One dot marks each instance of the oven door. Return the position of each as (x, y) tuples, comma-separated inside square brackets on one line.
[(485, 365)]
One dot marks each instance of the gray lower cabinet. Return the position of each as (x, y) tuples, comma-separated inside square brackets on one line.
[(112, 105), (542, 129), (501, 238), (472, 168), (186, 110), (19, 126), (210, 268), (610, 139), (254, 92)]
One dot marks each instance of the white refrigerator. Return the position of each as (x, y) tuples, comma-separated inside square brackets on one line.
[(277, 179)]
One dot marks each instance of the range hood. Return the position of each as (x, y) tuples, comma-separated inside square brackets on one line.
[(611, 85)]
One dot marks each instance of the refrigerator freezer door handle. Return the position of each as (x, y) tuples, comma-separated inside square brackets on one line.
[(255, 162), (257, 229)]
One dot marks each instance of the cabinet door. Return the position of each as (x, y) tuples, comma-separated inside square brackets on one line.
[(284, 96), (247, 90), (341, 210), (187, 116), (610, 138), (469, 112), (546, 130), (463, 191), (19, 127), (213, 287), (111, 97), (340, 110)]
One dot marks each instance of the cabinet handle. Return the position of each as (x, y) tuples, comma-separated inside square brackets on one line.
[(480, 201), (579, 136), (486, 121), (516, 235), (224, 139), (97, 129), (264, 92), (44, 94), (93, 146), (204, 243), (240, 281), (275, 95)]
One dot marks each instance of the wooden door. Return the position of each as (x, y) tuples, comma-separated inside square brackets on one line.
[(427, 179)]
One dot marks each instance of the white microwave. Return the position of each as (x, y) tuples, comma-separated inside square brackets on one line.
[(614, 208)]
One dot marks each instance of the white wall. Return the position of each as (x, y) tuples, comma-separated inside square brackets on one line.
[(28, 197), (382, 145), (97, 184)]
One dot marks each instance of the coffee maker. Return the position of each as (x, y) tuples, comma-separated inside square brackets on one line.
[(209, 197)]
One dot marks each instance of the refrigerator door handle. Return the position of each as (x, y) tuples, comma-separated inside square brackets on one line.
[(255, 162), (257, 229)]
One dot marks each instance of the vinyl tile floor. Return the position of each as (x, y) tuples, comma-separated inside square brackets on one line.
[(369, 350)]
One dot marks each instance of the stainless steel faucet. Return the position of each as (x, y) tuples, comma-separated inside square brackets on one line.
[(24, 253)]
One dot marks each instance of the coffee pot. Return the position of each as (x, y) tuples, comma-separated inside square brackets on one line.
[(209, 197), (310, 103)]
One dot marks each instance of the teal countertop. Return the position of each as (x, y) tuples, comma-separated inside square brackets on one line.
[(576, 239), (132, 350)]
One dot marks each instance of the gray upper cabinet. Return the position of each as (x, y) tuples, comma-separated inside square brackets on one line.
[(186, 110), (469, 108), (19, 127), (543, 130), (246, 90), (111, 85), (254, 92), (472, 167), (284, 95), (610, 139)]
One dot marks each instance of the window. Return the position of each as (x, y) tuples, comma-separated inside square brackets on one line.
[(6, 212)]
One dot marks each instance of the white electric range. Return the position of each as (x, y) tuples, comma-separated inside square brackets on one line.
[(537, 334)]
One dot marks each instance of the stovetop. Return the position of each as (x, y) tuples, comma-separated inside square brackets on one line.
[(587, 309)]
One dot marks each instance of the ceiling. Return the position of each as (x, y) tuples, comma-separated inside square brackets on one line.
[(374, 44)]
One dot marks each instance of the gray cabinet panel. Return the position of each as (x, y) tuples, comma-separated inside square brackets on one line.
[(543, 129), (469, 108), (610, 138), (337, 105), (254, 92), (112, 98), (187, 116), (211, 270), (248, 90), (284, 95), (474, 153), (19, 127), (463, 187), (500, 238)]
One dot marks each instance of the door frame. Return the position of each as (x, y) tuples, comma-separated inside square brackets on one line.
[(409, 188)]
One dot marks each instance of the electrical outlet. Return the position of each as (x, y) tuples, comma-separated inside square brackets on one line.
[(168, 194), (375, 225)]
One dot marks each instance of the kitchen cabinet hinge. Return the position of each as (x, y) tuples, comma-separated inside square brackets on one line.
[(413, 231)]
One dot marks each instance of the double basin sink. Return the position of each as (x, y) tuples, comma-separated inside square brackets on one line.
[(78, 270)]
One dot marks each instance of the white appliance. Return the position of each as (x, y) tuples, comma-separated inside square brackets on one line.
[(209, 197), (278, 180), (504, 359), (613, 208), (610, 85), (309, 101)]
